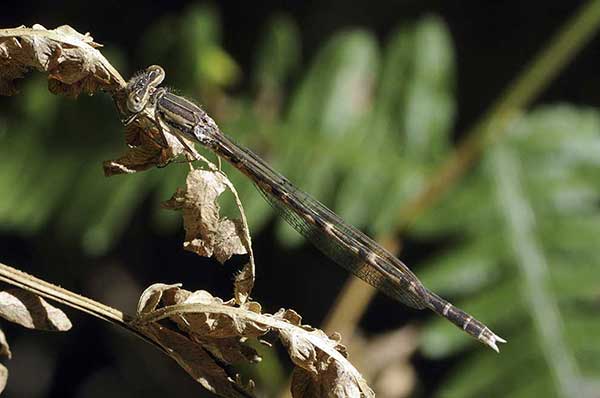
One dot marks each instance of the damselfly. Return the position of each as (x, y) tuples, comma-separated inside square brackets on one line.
[(343, 243)]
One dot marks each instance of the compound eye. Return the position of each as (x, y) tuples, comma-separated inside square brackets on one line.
[(134, 103), (157, 74)]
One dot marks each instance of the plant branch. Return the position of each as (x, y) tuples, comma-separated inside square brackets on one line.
[(61, 295)]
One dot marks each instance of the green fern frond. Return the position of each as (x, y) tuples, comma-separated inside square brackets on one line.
[(544, 251)]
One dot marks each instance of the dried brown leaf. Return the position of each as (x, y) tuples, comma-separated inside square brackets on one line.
[(204, 358), (31, 311), (222, 328), (207, 234), (321, 366), (4, 347), (219, 324), (228, 349), (228, 240), (151, 297), (243, 284), (3, 377), (332, 380), (73, 63), (147, 148), (244, 280), (197, 362)]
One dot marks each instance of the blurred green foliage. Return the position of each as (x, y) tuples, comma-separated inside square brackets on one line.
[(362, 128), (527, 258)]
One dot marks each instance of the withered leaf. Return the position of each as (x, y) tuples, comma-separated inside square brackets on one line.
[(228, 241), (228, 349), (321, 366), (73, 63), (207, 234), (3, 377), (243, 283), (31, 311), (152, 296), (197, 362), (332, 380), (148, 147), (221, 329), (227, 321), (4, 347)]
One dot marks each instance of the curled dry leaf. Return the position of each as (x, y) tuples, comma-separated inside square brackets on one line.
[(31, 311), (205, 359), (197, 362), (3, 377), (5, 352), (207, 234), (216, 331), (152, 295), (145, 154), (321, 366), (148, 147), (73, 63), (4, 347), (243, 283)]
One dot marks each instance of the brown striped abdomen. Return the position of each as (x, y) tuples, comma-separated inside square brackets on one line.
[(464, 321)]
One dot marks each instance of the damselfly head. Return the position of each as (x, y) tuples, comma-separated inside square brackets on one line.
[(141, 87)]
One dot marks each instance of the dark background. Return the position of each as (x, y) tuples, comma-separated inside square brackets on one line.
[(493, 42)]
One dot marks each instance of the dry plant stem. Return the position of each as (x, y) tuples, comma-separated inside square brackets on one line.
[(47, 290), (350, 304), (540, 72)]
